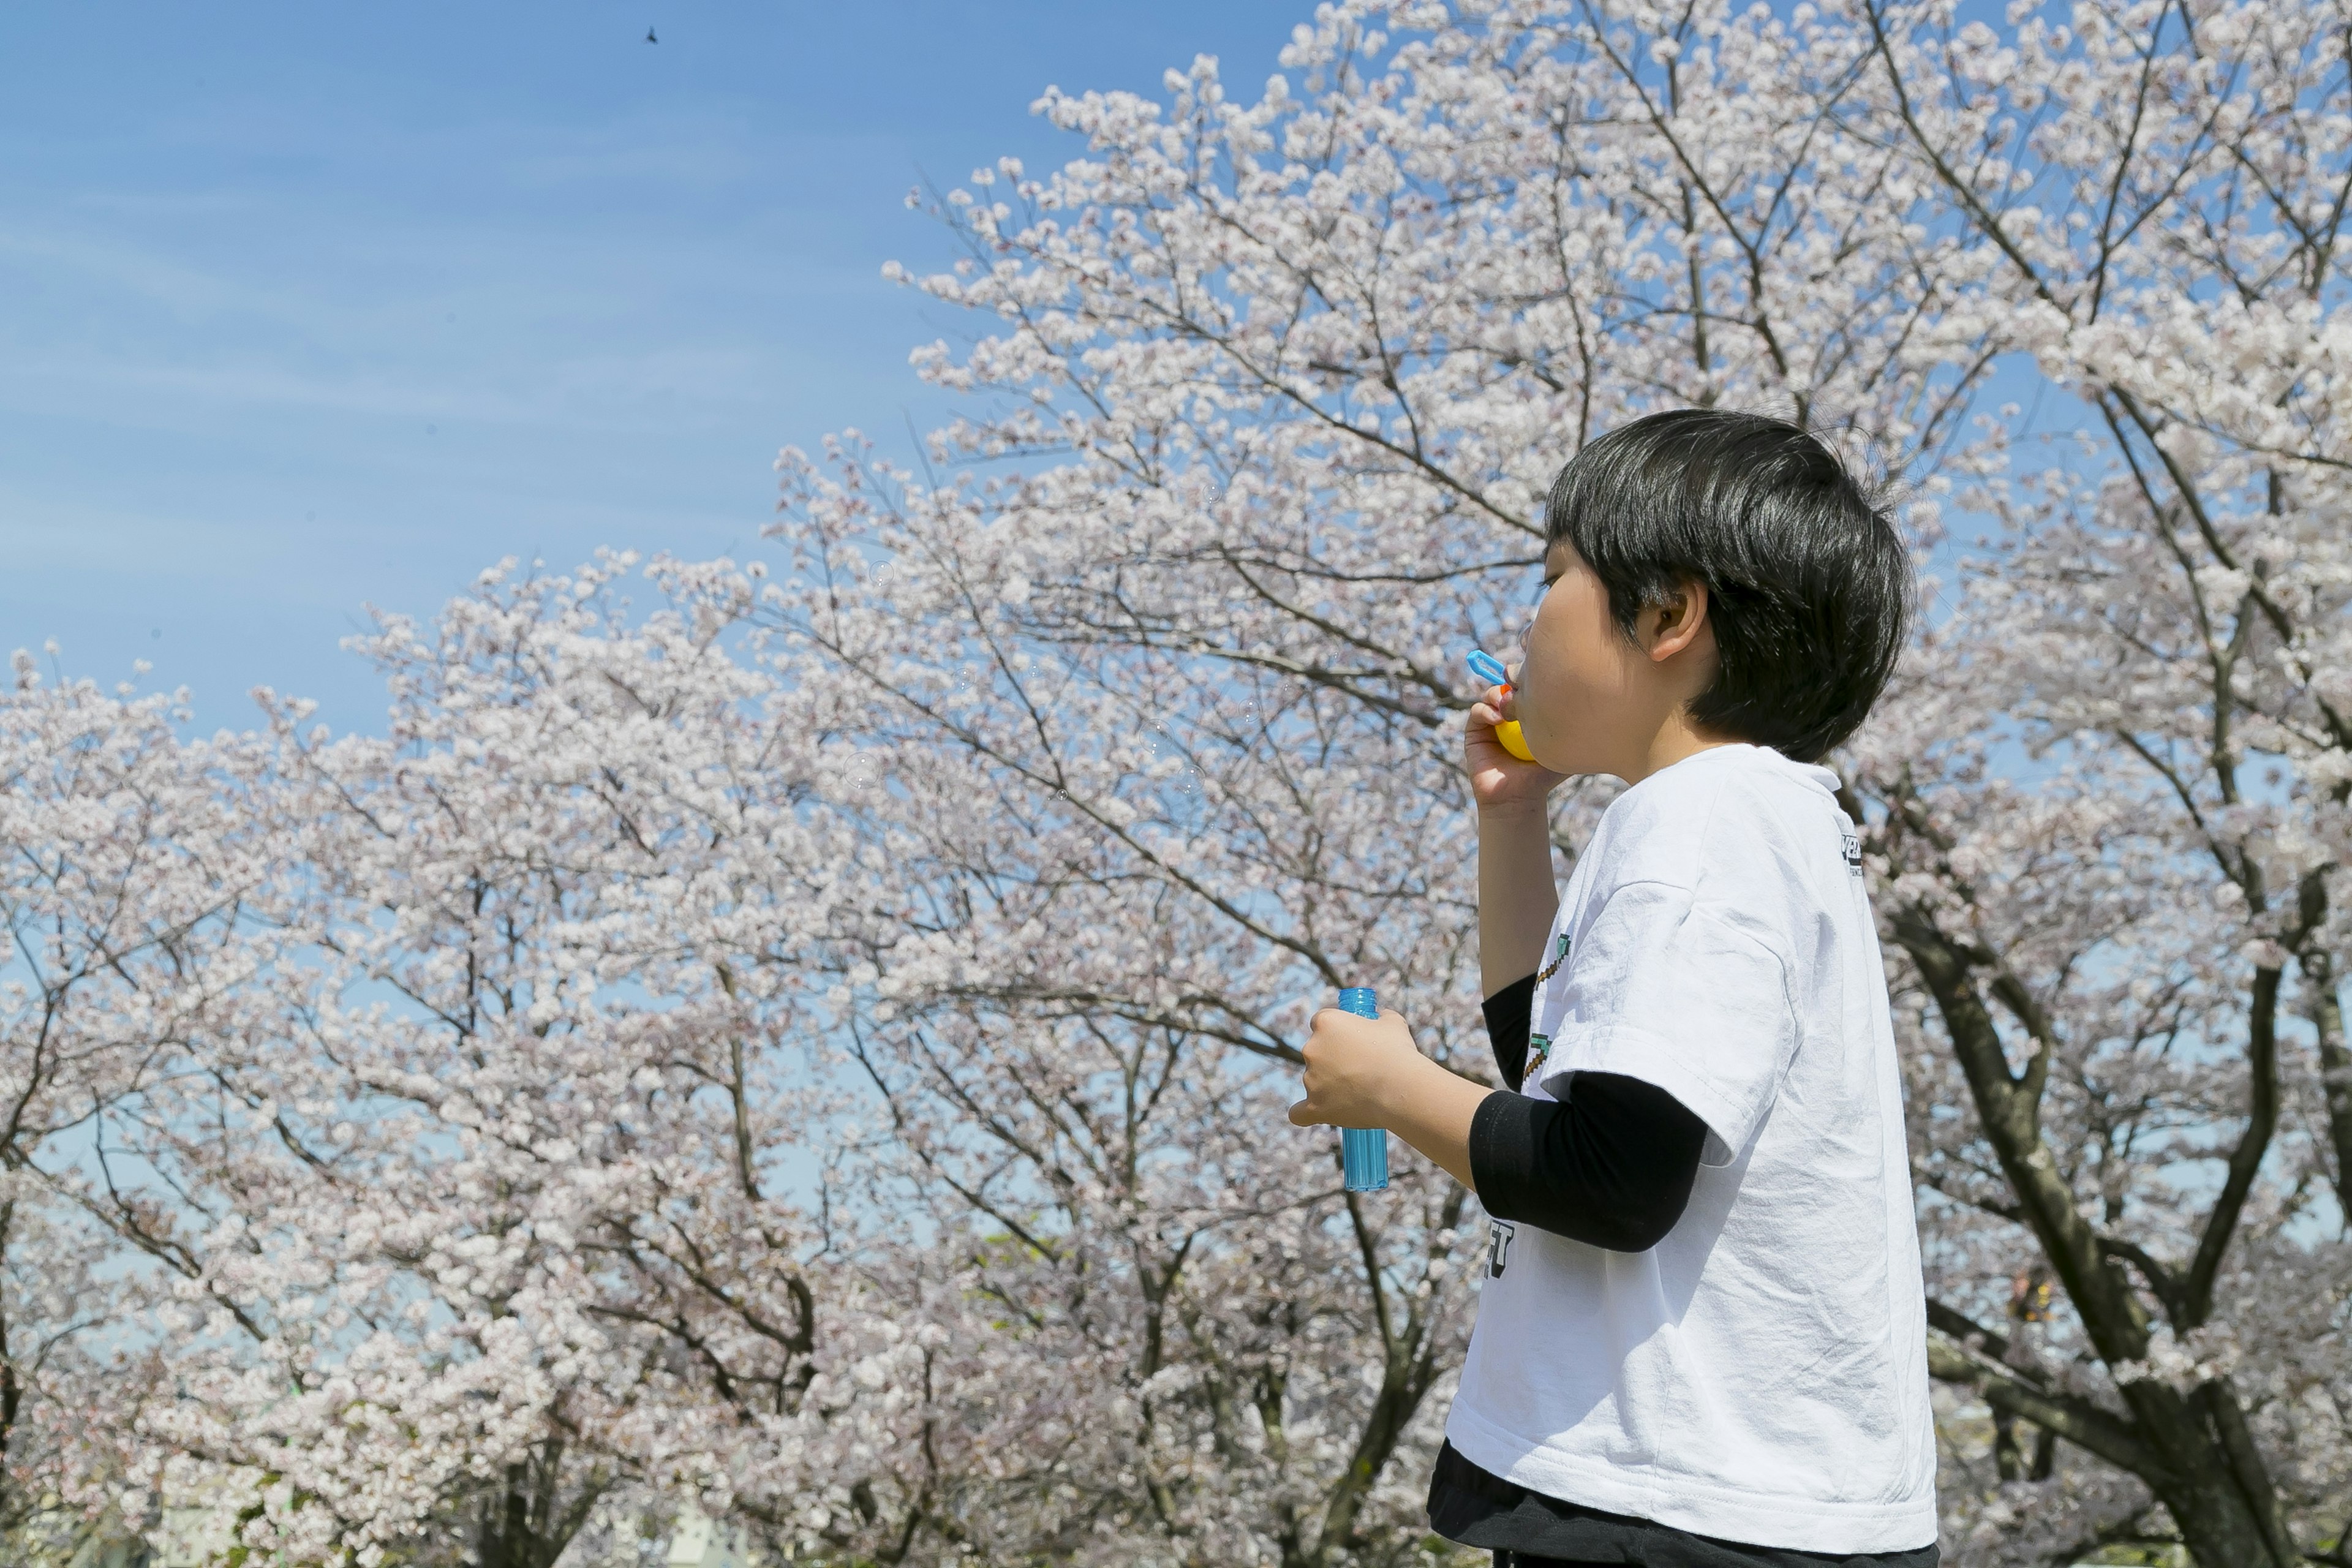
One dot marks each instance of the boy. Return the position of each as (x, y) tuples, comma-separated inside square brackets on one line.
[(1701, 1340)]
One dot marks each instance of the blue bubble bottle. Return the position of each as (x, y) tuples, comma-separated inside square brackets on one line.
[(1363, 1151)]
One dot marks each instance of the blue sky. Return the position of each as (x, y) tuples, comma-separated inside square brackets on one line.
[(304, 307)]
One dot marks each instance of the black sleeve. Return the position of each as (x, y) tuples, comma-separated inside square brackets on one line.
[(1612, 1167), (1508, 1012)]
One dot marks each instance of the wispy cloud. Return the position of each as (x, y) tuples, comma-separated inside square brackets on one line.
[(596, 392)]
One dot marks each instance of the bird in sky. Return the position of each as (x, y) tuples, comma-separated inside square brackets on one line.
[(649, 36)]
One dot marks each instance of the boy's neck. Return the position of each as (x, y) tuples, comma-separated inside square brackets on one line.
[(1672, 741)]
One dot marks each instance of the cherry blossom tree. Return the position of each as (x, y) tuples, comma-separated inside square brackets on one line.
[(2133, 951), (816, 1049), (440, 1083), (121, 875), (1272, 395)]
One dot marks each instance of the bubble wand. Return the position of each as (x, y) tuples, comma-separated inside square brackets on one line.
[(1487, 668), (1363, 1151)]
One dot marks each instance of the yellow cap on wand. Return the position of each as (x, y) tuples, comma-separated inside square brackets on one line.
[(1489, 669)]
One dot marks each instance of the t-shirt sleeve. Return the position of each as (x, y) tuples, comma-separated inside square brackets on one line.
[(1681, 993)]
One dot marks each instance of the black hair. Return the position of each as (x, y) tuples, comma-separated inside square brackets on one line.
[(1808, 584)]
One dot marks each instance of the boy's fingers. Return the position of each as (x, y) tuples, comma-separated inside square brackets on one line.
[(1302, 1117)]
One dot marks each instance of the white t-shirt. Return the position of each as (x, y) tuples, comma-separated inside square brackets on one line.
[(1761, 1375)]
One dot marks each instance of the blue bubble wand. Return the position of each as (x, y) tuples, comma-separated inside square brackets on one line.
[(1486, 666)]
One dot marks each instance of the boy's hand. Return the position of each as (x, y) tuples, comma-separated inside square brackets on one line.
[(1367, 1072), (1497, 777), (1354, 1068)]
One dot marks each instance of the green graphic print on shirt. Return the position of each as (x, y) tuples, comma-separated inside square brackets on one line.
[(1539, 1046)]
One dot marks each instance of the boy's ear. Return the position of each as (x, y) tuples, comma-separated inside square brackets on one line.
[(1679, 620)]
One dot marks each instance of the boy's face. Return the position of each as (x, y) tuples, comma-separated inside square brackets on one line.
[(1588, 700)]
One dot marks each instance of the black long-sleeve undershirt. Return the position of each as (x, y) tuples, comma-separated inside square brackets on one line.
[(1612, 1166)]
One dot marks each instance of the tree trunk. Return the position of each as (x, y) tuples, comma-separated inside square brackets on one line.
[(2192, 1451), (527, 1522), (2326, 1017), (1410, 1366)]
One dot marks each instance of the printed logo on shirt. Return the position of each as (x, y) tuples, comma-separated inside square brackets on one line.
[(1538, 1047), (1499, 1233), (1852, 853)]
